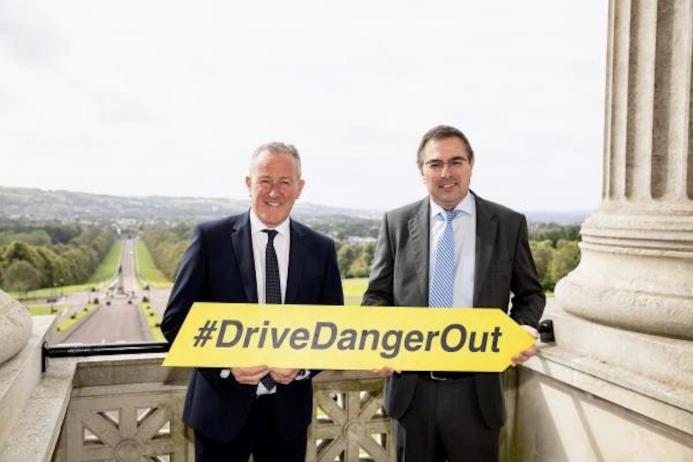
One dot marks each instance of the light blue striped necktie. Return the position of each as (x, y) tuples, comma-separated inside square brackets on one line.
[(443, 281)]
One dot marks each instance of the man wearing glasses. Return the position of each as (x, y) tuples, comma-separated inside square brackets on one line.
[(452, 249)]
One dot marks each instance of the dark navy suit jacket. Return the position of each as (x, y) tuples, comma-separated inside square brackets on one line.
[(218, 266)]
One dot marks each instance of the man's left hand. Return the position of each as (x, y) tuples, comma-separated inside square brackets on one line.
[(524, 355), (283, 376)]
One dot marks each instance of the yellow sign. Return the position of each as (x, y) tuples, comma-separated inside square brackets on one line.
[(336, 337)]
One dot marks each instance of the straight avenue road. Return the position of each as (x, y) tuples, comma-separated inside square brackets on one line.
[(122, 320)]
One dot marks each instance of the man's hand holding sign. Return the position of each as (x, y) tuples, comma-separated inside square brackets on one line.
[(253, 375), (524, 355)]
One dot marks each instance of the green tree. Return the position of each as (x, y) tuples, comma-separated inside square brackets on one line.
[(361, 266), (70, 263), (166, 246), (16, 250), (565, 259), (34, 237), (20, 276), (62, 234), (345, 257), (543, 252)]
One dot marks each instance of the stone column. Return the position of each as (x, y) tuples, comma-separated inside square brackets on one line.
[(15, 327), (636, 271)]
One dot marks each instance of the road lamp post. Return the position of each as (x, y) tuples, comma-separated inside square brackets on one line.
[(53, 296)]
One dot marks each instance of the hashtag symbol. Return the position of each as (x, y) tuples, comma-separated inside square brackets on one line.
[(205, 333)]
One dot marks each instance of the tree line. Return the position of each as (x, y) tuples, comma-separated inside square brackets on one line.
[(554, 247), (554, 260), (166, 245), (555, 251), (32, 258), (51, 254), (355, 259), (553, 232)]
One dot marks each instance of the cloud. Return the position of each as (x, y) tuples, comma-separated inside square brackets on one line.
[(169, 97), (26, 35)]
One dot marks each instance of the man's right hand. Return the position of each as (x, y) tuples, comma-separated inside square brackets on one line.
[(249, 375)]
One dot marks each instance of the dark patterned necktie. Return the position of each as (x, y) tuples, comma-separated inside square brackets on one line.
[(273, 288)]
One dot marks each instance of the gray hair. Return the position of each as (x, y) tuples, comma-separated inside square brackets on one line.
[(277, 147)]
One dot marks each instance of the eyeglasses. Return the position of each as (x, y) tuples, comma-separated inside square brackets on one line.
[(454, 163)]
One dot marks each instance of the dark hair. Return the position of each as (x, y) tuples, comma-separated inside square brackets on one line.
[(441, 132)]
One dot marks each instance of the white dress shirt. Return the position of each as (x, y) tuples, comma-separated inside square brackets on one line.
[(464, 231), (282, 242)]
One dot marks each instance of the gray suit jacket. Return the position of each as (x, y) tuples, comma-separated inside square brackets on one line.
[(503, 265)]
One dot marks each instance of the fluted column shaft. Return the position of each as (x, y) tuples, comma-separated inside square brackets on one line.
[(636, 270)]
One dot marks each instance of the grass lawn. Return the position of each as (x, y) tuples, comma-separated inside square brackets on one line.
[(42, 310), (147, 272), (68, 323), (353, 290), (153, 321), (108, 268), (40, 294)]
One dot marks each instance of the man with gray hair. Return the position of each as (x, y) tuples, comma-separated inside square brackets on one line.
[(259, 256)]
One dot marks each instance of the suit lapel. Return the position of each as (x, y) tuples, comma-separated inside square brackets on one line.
[(243, 250), (486, 227), (419, 231), (297, 256)]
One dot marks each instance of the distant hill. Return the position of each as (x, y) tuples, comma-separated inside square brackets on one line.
[(29, 204), (560, 218)]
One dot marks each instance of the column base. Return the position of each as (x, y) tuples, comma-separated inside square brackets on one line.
[(635, 272)]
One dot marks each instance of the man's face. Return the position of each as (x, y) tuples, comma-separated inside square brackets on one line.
[(274, 186), (446, 171)]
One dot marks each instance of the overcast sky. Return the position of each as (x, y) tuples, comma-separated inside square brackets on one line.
[(171, 97)]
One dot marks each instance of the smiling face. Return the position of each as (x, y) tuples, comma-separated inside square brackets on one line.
[(274, 185), (446, 171)]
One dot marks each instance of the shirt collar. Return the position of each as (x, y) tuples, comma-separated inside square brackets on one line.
[(467, 205), (256, 225)]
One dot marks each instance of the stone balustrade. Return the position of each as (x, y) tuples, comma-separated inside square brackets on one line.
[(128, 408)]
